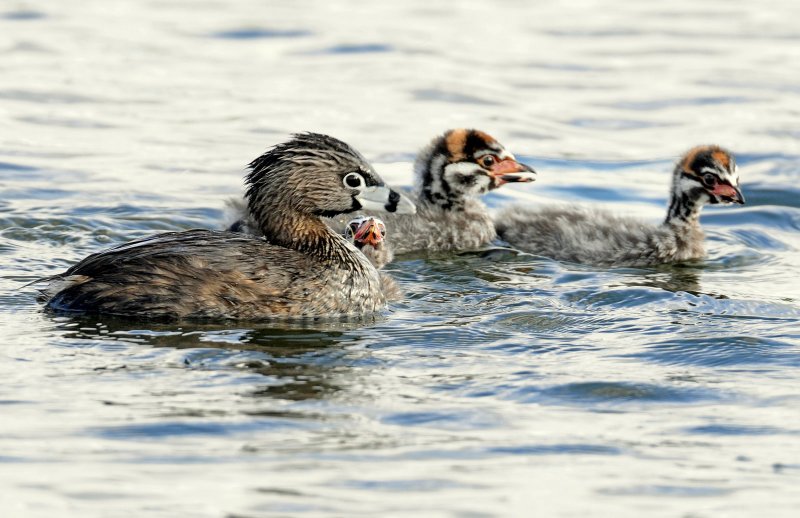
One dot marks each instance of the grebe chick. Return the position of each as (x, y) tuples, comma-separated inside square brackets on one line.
[(451, 172), (368, 234), (304, 269), (705, 174)]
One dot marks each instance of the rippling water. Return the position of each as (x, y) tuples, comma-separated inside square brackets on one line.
[(505, 384)]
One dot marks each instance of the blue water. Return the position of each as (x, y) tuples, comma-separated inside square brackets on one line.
[(504, 384)]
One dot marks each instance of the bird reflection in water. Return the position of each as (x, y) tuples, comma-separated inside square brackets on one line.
[(302, 363), (673, 278)]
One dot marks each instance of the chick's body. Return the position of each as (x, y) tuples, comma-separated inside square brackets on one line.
[(705, 174)]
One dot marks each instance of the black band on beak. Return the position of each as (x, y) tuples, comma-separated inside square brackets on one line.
[(394, 199)]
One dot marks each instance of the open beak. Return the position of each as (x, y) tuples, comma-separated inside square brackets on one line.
[(509, 170), (382, 198), (368, 232), (729, 193)]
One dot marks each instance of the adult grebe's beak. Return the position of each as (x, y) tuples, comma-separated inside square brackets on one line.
[(382, 198)]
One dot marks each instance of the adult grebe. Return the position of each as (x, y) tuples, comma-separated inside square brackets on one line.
[(302, 269)]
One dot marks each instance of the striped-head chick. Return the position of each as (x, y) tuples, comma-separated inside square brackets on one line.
[(705, 174), (465, 163), (368, 233)]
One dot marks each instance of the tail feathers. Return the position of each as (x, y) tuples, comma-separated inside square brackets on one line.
[(51, 286)]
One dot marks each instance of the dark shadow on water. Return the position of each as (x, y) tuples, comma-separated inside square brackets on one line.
[(557, 449), (300, 363), (8, 166), (733, 429), (23, 15), (366, 48), (278, 325), (719, 350), (667, 491), (672, 278), (254, 33), (615, 393)]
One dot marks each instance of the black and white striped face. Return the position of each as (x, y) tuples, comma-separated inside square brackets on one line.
[(709, 172), (465, 163)]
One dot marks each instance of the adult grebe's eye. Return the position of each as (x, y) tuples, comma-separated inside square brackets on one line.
[(709, 179), (488, 160), (354, 181)]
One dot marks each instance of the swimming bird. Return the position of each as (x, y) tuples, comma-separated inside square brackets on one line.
[(368, 234), (704, 175), (302, 269), (451, 173)]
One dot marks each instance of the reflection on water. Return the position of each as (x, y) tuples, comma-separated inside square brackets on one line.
[(671, 278), (300, 364), (504, 382)]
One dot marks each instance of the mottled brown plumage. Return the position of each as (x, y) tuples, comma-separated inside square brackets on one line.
[(302, 269)]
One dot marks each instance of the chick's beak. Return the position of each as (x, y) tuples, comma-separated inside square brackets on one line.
[(509, 170), (368, 232), (729, 193)]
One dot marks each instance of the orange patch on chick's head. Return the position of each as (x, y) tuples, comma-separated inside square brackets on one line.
[(688, 159), (456, 141), (722, 158)]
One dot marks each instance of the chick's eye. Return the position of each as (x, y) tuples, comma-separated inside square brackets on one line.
[(353, 181), (709, 179), (488, 161)]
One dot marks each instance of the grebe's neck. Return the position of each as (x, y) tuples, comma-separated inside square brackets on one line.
[(686, 203), (309, 235)]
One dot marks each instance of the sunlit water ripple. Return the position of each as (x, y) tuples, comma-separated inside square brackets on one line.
[(504, 384)]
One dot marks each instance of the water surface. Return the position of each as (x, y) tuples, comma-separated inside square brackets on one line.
[(505, 384)]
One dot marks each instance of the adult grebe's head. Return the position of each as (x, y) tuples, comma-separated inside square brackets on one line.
[(318, 175), (465, 163)]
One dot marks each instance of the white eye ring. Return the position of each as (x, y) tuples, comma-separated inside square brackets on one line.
[(354, 181)]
